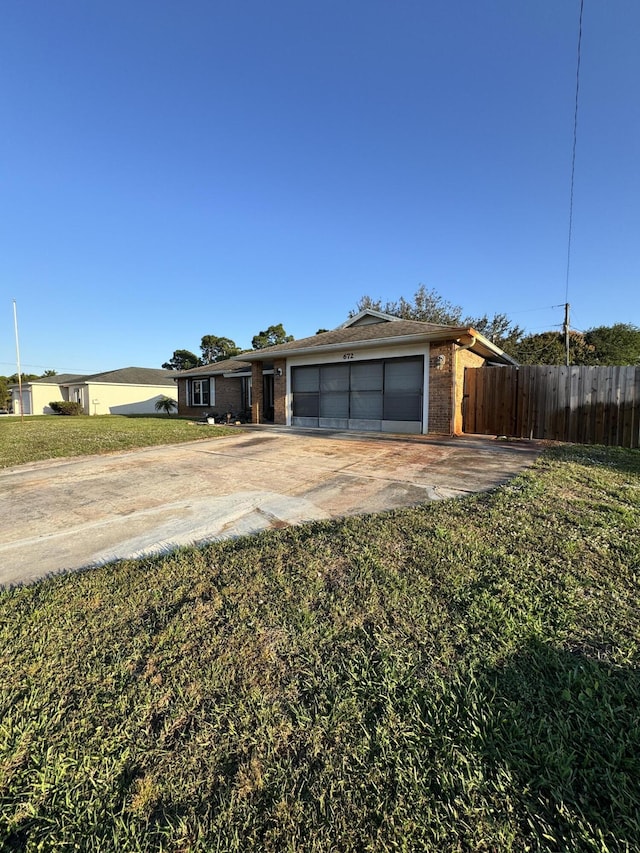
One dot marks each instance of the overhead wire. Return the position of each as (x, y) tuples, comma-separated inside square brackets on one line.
[(573, 152)]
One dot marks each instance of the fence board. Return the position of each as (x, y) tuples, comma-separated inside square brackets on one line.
[(587, 405)]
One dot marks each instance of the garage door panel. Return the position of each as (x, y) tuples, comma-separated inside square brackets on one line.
[(403, 375), (334, 404), (366, 404), (405, 427), (402, 407), (367, 376), (334, 377), (384, 395), (306, 405)]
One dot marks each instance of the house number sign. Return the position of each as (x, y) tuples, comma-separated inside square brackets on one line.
[(347, 356)]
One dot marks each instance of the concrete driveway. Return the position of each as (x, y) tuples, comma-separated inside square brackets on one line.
[(72, 513)]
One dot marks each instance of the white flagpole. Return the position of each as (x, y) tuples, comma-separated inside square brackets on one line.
[(15, 323)]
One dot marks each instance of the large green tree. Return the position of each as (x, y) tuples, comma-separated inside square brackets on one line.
[(602, 345), (428, 306), (617, 344), (550, 348), (270, 337), (216, 348), (182, 359)]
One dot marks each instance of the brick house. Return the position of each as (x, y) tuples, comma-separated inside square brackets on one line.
[(375, 372), (219, 388)]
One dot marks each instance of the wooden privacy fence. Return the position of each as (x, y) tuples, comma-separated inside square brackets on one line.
[(586, 405)]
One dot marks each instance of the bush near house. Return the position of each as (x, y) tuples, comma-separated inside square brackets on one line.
[(66, 407)]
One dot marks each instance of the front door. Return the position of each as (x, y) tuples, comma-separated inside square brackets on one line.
[(267, 398)]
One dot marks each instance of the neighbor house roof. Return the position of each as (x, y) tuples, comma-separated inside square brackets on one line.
[(374, 329), (124, 376), (58, 379), (217, 368), (133, 376)]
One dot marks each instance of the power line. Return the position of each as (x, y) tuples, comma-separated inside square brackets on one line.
[(573, 153), (48, 367)]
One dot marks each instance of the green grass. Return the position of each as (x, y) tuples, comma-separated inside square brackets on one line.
[(462, 676), (52, 437)]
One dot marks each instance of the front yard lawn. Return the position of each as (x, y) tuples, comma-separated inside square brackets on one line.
[(462, 676), (55, 436)]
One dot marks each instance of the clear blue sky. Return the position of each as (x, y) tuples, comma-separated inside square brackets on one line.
[(173, 169)]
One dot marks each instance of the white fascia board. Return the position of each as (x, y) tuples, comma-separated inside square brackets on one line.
[(350, 346), (487, 344), (345, 354)]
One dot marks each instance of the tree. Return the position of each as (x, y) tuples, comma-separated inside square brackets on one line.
[(48, 373), (216, 348), (166, 405), (270, 337), (428, 306), (5, 396), (549, 348), (24, 377), (182, 359), (617, 344)]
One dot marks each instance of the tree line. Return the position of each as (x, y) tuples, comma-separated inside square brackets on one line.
[(6, 381), (215, 348), (601, 345)]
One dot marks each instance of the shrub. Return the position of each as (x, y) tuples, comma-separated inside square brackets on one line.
[(66, 407)]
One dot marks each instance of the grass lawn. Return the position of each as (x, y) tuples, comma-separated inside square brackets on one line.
[(462, 676), (55, 436)]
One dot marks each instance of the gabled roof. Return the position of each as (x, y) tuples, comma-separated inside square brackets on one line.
[(133, 376), (124, 376), (367, 317), (374, 329), (58, 379), (216, 368)]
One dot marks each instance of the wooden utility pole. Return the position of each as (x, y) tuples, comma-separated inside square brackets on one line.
[(565, 328)]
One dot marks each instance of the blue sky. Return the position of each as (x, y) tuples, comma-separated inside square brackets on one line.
[(174, 169)]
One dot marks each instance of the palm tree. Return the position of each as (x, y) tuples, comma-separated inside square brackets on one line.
[(166, 405)]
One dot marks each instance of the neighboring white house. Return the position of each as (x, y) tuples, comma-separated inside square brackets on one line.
[(129, 391)]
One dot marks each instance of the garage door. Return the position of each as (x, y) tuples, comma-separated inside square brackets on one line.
[(383, 395)]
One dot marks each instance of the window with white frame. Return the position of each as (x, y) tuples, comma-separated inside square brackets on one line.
[(201, 392)]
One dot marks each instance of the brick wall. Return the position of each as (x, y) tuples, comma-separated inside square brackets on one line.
[(279, 391), (446, 386), (441, 388), (464, 358), (257, 401), (228, 396)]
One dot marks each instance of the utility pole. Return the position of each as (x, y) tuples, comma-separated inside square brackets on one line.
[(15, 323), (565, 329)]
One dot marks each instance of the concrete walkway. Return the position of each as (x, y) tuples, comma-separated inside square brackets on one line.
[(72, 513)]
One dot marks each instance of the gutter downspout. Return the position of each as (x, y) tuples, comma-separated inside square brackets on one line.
[(454, 376)]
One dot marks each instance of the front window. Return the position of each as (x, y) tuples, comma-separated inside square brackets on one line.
[(199, 392)]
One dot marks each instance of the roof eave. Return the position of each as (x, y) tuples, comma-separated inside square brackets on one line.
[(494, 350), (423, 337)]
